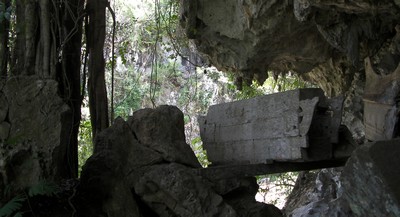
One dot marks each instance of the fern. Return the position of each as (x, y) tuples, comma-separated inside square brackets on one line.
[(19, 214), (43, 188), (12, 206)]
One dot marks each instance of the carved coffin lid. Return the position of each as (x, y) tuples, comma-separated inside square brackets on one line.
[(272, 127)]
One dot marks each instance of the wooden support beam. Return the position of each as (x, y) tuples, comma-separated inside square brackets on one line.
[(249, 170)]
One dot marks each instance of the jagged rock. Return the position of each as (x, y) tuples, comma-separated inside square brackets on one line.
[(251, 39), (4, 130), (39, 122), (353, 108), (370, 182), (287, 35), (174, 190), (312, 193), (162, 129), (240, 194), (334, 76), (368, 186), (3, 107)]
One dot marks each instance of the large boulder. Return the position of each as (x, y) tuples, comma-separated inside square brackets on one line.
[(162, 129), (104, 182)]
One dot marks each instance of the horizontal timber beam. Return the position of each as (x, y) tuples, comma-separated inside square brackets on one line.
[(235, 171)]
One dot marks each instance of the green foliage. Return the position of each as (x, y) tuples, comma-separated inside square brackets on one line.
[(5, 12), (285, 82), (274, 83), (128, 95), (248, 92), (43, 188), (85, 146), (275, 187), (12, 206), (14, 140), (197, 146)]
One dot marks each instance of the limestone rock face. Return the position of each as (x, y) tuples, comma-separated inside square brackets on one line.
[(33, 122), (256, 37), (327, 39)]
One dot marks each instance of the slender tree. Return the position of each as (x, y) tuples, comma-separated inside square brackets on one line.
[(71, 45), (96, 10)]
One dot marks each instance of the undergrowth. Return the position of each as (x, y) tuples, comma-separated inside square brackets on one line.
[(13, 208)]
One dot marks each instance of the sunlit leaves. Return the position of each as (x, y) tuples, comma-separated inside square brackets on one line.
[(85, 147)]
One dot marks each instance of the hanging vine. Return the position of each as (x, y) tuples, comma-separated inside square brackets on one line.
[(112, 59), (154, 64)]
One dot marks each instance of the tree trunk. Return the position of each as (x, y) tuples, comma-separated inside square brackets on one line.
[(4, 50), (18, 54), (96, 10), (71, 66), (30, 36), (44, 48)]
